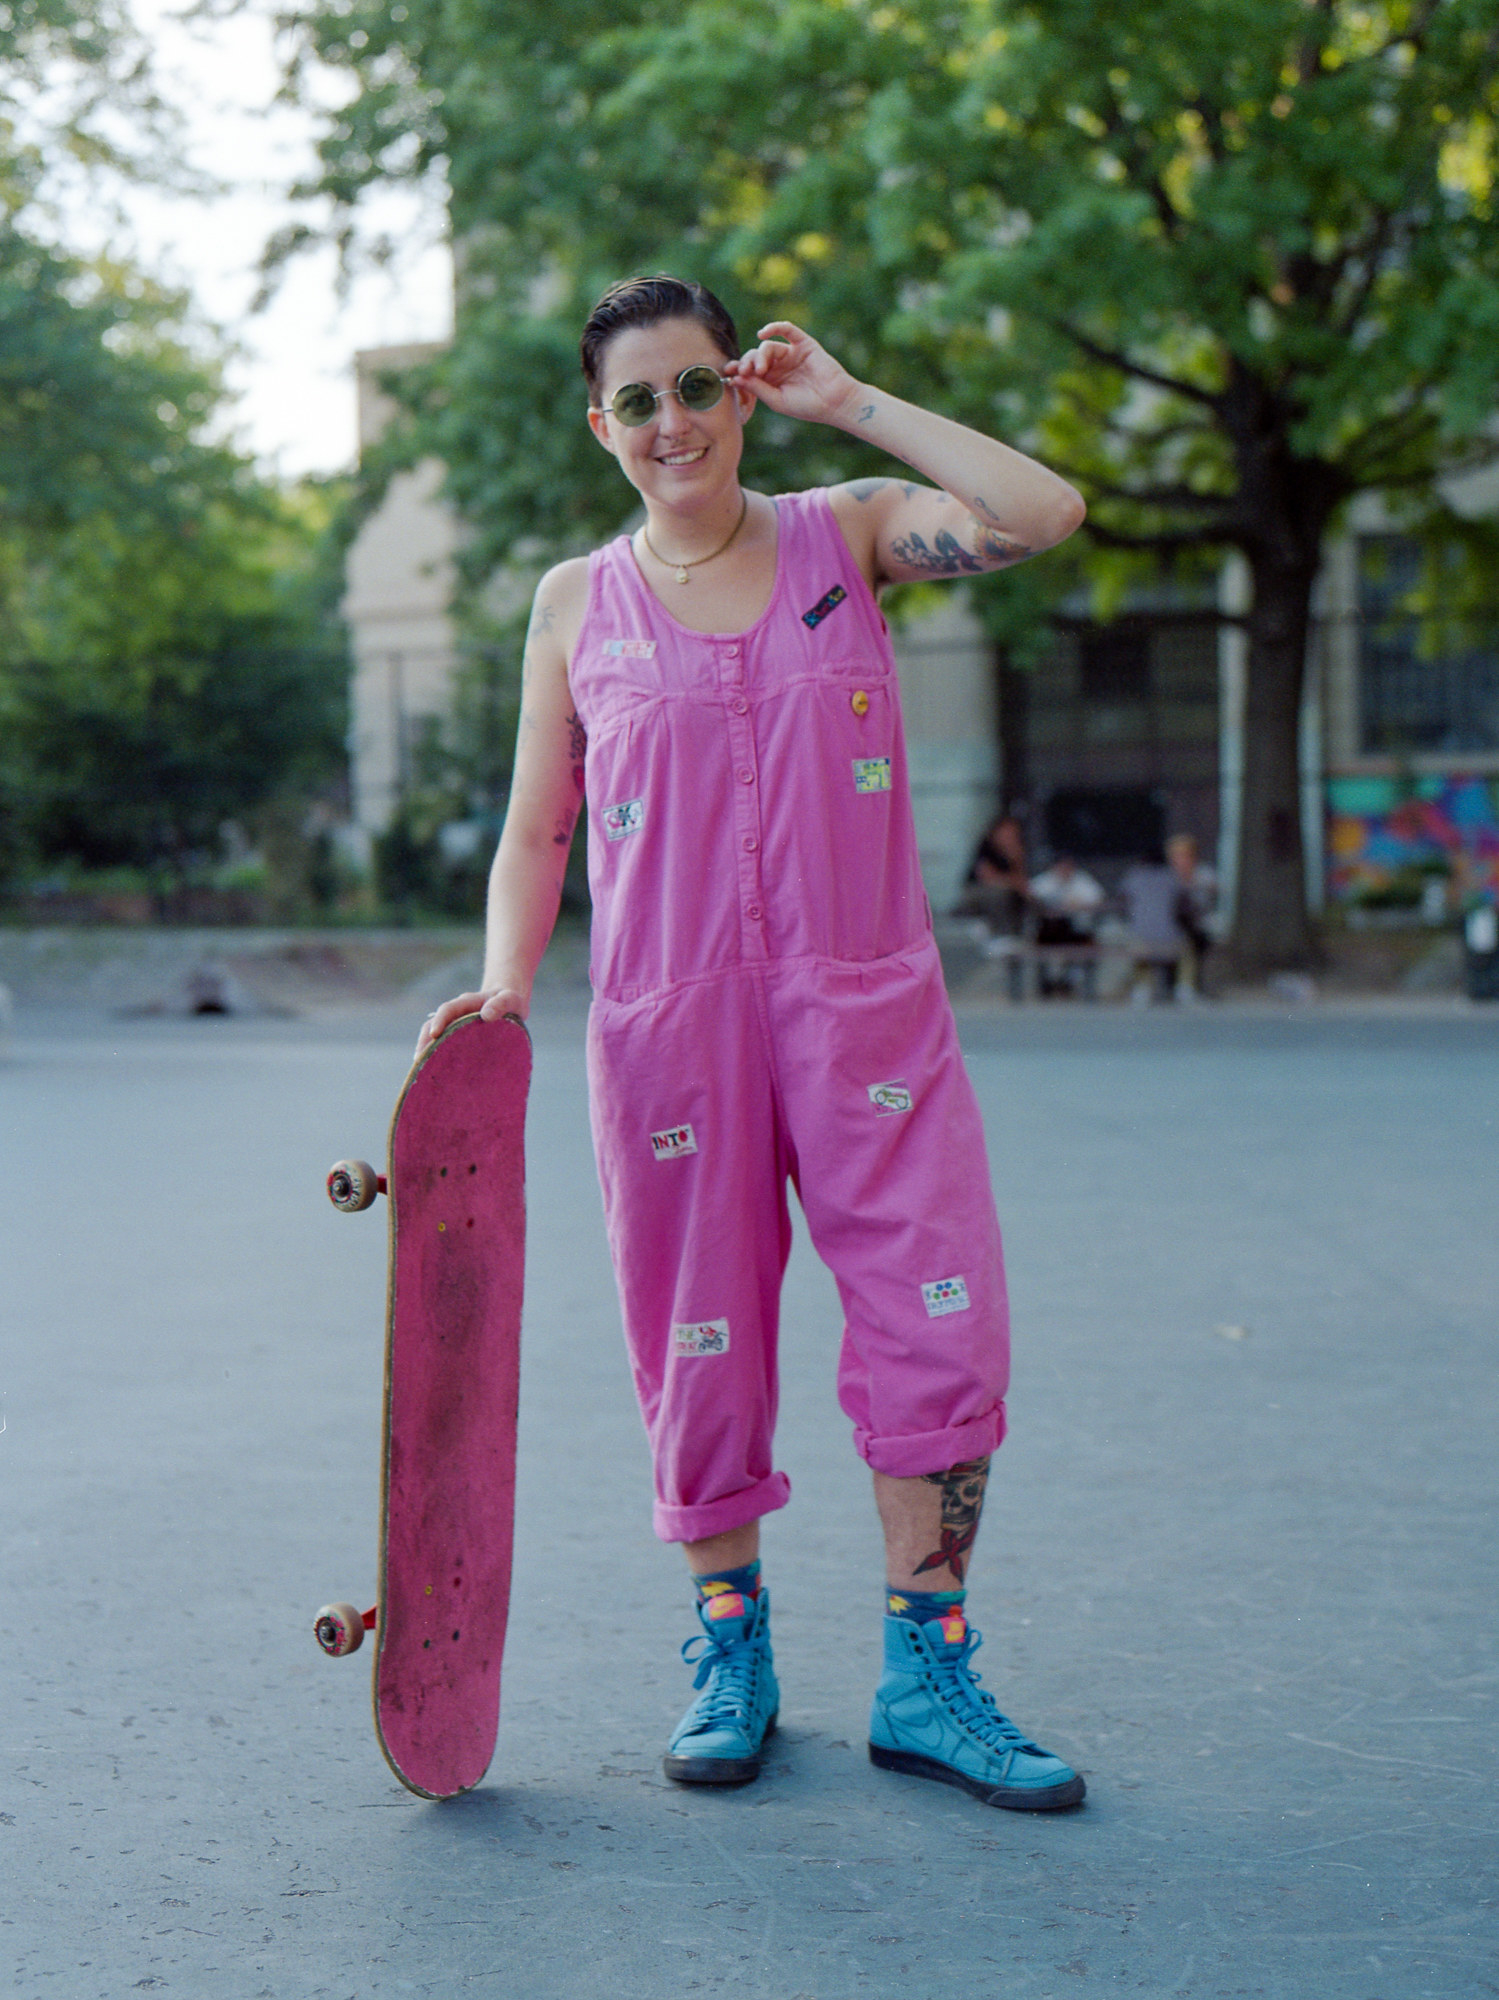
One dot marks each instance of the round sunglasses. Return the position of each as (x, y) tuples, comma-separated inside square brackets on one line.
[(697, 388)]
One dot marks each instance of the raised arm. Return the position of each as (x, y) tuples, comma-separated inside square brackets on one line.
[(989, 505), (546, 793)]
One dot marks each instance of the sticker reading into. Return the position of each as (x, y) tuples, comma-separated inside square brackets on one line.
[(674, 1144), (707, 1336), (627, 817), (824, 607), (871, 774), (945, 1295), (889, 1098), (630, 649)]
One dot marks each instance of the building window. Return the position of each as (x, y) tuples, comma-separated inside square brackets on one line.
[(1432, 689)]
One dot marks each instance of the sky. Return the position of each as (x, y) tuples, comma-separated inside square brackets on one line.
[(292, 374)]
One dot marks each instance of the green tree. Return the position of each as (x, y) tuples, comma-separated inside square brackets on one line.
[(1227, 263), (169, 649)]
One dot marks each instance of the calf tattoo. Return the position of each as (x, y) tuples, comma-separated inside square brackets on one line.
[(962, 1503)]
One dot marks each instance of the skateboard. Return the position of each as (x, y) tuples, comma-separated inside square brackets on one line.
[(455, 1190)]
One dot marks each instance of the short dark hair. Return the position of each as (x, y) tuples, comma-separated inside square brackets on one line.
[(644, 301)]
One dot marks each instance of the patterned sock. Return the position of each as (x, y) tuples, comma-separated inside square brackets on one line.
[(728, 1593), (922, 1606)]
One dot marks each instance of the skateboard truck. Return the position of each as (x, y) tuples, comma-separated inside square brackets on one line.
[(340, 1628), (353, 1185)]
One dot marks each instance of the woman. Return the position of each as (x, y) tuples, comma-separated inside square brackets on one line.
[(768, 999)]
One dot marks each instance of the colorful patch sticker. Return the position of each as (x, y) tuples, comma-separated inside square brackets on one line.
[(889, 1098), (630, 649), (871, 774), (954, 1627), (731, 1605), (707, 1336), (627, 817), (945, 1295), (824, 605), (673, 1144)]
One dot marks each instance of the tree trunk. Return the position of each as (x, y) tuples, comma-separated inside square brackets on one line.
[(1272, 928)]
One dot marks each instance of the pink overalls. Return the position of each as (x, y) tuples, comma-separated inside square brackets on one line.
[(769, 1006)]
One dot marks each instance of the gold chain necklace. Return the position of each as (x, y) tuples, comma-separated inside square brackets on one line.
[(682, 568)]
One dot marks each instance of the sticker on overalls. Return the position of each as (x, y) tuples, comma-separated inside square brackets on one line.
[(945, 1295), (630, 649), (871, 774), (889, 1098), (627, 817), (674, 1144), (824, 607), (708, 1336)]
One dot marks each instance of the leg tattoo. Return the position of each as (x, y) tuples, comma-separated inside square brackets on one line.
[(962, 1503)]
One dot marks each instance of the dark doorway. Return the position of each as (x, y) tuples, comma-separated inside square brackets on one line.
[(1106, 822)]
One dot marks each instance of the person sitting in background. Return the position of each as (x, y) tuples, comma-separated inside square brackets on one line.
[(1150, 892), (996, 886), (1068, 901), (1196, 896)]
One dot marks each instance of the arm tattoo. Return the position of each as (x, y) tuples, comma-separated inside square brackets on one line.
[(962, 1503), (995, 550), (948, 558), (865, 489), (993, 547), (866, 413), (577, 748), (567, 819), (543, 618)]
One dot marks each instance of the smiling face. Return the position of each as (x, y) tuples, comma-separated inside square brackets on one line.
[(681, 456)]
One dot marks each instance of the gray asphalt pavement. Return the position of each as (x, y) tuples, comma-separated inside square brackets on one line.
[(1239, 1562)]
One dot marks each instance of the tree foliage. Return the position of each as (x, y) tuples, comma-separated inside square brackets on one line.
[(169, 654), (1226, 263)]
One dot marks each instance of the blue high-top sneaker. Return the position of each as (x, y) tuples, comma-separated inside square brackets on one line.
[(932, 1720), (721, 1738)]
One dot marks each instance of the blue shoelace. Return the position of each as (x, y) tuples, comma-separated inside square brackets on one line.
[(957, 1687), (731, 1668)]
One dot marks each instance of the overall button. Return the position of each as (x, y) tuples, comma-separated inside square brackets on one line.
[(750, 843), (859, 703), (745, 775), (753, 911), (731, 652), (739, 705)]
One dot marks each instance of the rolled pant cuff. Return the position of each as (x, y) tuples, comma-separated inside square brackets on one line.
[(933, 1451), (717, 1517)]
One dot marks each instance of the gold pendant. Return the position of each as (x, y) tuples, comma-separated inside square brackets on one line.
[(683, 577)]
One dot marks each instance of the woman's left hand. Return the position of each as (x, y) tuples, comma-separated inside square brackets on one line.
[(790, 373)]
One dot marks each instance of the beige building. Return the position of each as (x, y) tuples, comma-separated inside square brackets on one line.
[(399, 587)]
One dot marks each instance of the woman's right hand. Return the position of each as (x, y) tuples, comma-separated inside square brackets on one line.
[(491, 1005)]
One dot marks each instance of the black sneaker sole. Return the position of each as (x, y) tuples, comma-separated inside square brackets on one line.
[(718, 1770), (1016, 1798)]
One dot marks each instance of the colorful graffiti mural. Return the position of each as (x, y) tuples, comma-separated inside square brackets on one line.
[(1388, 835)]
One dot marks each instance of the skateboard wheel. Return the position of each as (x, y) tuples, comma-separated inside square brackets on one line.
[(353, 1185), (339, 1629)]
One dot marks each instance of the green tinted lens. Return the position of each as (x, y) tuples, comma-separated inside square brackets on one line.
[(700, 388), (634, 404)]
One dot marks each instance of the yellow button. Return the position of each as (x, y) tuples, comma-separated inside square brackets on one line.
[(860, 703)]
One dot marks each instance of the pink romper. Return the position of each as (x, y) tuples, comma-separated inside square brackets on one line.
[(769, 1006)]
